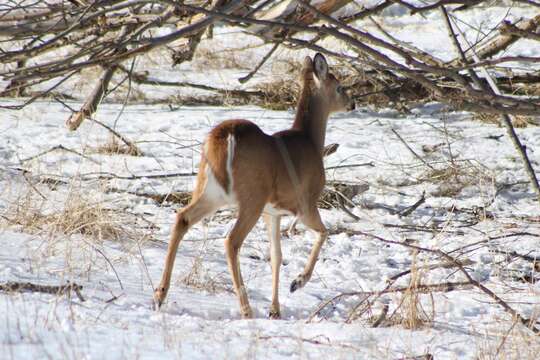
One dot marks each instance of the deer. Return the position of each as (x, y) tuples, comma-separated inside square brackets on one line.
[(269, 175)]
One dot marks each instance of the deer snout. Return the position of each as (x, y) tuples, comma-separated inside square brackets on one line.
[(351, 106)]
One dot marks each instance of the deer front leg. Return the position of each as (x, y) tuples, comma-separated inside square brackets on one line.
[(314, 222)]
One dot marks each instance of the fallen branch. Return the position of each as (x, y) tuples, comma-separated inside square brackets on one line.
[(109, 175), (14, 286), (179, 197)]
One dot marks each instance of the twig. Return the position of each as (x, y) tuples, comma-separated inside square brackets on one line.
[(108, 175), (108, 261), (58, 147), (350, 166), (381, 317), (393, 278), (24, 174), (246, 78), (313, 341), (411, 150), (533, 259), (410, 209)]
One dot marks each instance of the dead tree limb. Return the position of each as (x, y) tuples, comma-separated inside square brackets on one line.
[(505, 40), (507, 121), (93, 100)]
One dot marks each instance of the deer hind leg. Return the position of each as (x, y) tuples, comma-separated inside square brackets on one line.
[(247, 218), (185, 218), (312, 219), (272, 225)]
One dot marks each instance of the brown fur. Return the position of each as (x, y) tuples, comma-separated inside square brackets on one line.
[(284, 169)]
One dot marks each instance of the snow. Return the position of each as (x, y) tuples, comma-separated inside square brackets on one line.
[(200, 322)]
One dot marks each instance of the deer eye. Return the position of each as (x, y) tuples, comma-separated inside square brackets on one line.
[(339, 89)]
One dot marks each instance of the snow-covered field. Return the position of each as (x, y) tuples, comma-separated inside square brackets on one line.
[(201, 318), (71, 212)]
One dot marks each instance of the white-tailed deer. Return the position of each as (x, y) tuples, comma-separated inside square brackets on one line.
[(265, 174)]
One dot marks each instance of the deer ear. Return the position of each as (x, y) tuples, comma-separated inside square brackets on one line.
[(308, 64), (320, 66)]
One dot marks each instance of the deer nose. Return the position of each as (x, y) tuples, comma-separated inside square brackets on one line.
[(351, 106)]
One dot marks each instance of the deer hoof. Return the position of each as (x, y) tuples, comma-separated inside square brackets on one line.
[(274, 314), (159, 297), (298, 283)]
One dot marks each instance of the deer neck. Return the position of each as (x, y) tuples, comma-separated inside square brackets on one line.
[(311, 119)]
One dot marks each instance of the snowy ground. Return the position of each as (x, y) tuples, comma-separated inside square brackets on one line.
[(201, 318)]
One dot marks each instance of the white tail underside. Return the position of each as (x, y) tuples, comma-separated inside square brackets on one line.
[(231, 144), (213, 190)]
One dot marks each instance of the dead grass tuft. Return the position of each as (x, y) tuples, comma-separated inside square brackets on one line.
[(115, 147), (76, 215), (208, 58), (508, 340), (280, 94), (199, 278), (410, 313), (519, 121), (454, 178)]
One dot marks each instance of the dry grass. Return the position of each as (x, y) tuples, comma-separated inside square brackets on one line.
[(508, 340), (281, 94), (519, 121), (115, 147), (455, 177), (410, 313), (207, 58), (200, 278), (76, 214)]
